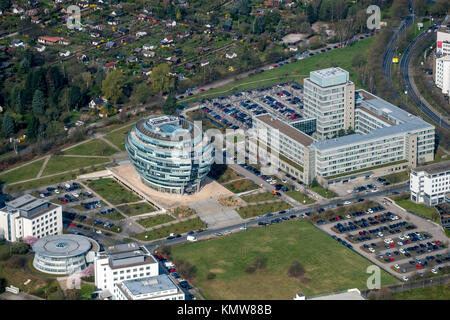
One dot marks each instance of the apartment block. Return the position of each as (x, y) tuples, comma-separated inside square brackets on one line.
[(442, 74), (29, 216)]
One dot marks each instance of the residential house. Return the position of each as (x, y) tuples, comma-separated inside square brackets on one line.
[(230, 55), (109, 65), (132, 59), (17, 43), (148, 54), (17, 10), (110, 44), (40, 48), (97, 102), (31, 12), (148, 46), (204, 63), (189, 66), (141, 34), (64, 53), (53, 40), (171, 23), (35, 20)]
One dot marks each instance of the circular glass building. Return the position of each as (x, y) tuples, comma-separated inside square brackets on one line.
[(170, 154), (61, 254)]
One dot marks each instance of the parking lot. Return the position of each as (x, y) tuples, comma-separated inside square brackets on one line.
[(236, 111), (405, 245)]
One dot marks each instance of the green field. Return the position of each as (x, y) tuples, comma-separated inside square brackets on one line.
[(155, 220), (326, 193), (300, 197), (429, 293), (58, 164), (112, 191), (136, 208), (262, 196), (242, 185), (397, 177), (118, 137), (259, 209), (94, 147), (180, 227), (420, 209), (296, 71), (29, 171), (115, 215), (329, 266), (41, 182)]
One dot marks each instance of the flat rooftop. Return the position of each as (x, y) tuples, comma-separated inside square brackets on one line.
[(434, 167), (286, 129), (25, 202), (148, 285), (64, 245), (329, 77)]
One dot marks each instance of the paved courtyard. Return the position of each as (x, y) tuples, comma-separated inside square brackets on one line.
[(216, 215)]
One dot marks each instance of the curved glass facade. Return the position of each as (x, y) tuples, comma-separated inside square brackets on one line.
[(169, 153), (59, 265)]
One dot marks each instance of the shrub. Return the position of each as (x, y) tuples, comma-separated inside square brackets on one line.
[(20, 248), (5, 253), (296, 270), (186, 269), (210, 276), (3, 285), (16, 262), (260, 263), (165, 251)]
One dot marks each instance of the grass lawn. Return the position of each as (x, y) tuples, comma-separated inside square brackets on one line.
[(296, 71), (29, 171), (300, 197), (429, 293), (420, 209), (329, 266), (136, 209), (155, 220), (397, 177), (326, 193), (86, 291), (447, 232), (94, 147), (259, 209), (439, 156), (118, 137), (112, 191), (41, 182), (222, 173), (180, 227), (242, 185), (263, 196), (60, 164), (115, 215)]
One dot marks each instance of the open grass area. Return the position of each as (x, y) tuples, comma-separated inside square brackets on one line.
[(328, 265), (58, 164), (112, 191), (40, 182), (155, 220), (29, 171), (115, 215), (404, 201), (397, 177), (429, 293), (118, 137), (439, 156), (296, 71), (136, 208), (95, 147), (300, 197), (262, 196), (242, 185), (326, 193), (222, 173), (259, 209), (180, 227)]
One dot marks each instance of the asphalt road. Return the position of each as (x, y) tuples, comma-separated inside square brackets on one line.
[(254, 221)]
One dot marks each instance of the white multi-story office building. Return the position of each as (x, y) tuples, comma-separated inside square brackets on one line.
[(385, 135), (161, 287), (329, 97), (30, 216), (442, 74), (429, 184), (123, 262), (443, 40)]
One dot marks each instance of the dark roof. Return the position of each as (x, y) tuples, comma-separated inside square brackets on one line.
[(434, 167)]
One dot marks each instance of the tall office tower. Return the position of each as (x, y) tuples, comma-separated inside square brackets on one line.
[(329, 97)]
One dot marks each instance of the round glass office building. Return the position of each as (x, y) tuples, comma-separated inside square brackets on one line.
[(170, 154)]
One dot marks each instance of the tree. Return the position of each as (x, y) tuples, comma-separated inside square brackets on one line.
[(19, 248), (161, 80), (420, 7), (280, 29), (38, 104), (3, 285), (178, 15), (8, 125), (141, 93), (33, 128), (170, 105), (242, 7), (311, 13), (5, 4), (74, 97), (258, 25), (112, 86), (87, 78), (296, 270), (30, 240)]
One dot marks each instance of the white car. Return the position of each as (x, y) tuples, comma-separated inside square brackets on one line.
[(67, 185), (401, 237), (284, 180), (273, 182), (42, 195), (347, 202), (396, 266), (405, 278), (379, 234), (388, 240), (243, 228), (406, 236), (402, 250), (434, 271), (76, 195), (372, 250), (348, 216), (400, 243), (56, 191)]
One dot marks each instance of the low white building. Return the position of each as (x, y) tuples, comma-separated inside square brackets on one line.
[(442, 74), (161, 287), (29, 216), (443, 41), (429, 184), (123, 262)]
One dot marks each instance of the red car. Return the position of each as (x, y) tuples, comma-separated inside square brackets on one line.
[(391, 259), (275, 66), (201, 90), (159, 256), (172, 270), (438, 242), (72, 224), (392, 245), (418, 266), (407, 241)]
